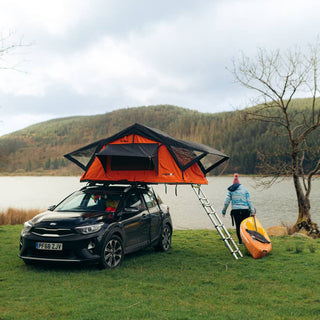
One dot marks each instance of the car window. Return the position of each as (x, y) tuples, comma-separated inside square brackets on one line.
[(91, 201), (134, 201), (81, 201), (149, 199), (75, 202), (88, 201)]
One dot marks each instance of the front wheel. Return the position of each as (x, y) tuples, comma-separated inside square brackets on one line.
[(165, 239), (111, 253)]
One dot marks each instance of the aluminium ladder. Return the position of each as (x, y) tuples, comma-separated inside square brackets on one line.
[(222, 230)]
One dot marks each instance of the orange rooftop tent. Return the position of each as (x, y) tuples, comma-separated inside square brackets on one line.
[(140, 154)]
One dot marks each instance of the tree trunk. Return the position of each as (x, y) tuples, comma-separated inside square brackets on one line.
[(304, 218)]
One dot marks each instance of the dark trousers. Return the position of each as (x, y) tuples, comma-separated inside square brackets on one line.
[(238, 215)]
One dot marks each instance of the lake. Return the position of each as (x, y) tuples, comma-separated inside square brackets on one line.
[(274, 205)]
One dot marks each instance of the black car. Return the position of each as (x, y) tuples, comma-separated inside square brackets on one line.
[(99, 224)]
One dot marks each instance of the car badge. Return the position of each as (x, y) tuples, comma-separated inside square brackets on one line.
[(53, 224)]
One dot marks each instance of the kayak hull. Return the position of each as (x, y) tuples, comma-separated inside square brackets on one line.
[(256, 248)]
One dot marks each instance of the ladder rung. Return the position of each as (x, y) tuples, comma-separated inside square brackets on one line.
[(224, 234)]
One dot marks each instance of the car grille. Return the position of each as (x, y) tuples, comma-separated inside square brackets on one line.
[(52, 232)]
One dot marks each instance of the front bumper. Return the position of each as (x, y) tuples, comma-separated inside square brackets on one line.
[(77, 248)]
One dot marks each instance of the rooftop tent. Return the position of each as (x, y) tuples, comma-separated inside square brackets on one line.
[(147, 155)]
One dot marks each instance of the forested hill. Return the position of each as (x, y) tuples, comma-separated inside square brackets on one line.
[(39, 149)]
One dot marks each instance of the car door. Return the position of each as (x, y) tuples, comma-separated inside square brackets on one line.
[(136, 221), (155, 215)]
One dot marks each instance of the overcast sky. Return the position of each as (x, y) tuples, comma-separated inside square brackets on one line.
[(85, 57)]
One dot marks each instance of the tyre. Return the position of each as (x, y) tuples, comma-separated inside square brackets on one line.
[(111, 253), (165, 239)]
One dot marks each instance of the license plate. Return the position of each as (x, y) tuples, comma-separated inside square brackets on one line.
[(48, 246)]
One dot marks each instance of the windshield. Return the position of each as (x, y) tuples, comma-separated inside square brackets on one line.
[(90, 201)]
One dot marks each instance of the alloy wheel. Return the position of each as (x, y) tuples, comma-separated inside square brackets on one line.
[(166, 238), (113, 253)]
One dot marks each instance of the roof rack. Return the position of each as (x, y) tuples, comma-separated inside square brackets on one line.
[(116, 183)]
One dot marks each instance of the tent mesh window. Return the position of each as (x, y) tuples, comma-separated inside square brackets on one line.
[(183, 155), (84, 156), (133, 156), (131, 163), (209, 160)]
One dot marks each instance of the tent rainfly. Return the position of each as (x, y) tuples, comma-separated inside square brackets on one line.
[(140, 154)]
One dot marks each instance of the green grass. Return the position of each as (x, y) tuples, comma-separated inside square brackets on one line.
[(197, 279)]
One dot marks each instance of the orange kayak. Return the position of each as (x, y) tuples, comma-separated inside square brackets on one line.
[(255, 238)]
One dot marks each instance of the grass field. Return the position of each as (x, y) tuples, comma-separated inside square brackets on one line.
[(197, 279)]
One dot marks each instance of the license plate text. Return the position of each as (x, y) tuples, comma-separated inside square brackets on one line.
[(48, 246)]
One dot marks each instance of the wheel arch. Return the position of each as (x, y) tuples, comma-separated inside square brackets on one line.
[(115, 230), (167, 222)]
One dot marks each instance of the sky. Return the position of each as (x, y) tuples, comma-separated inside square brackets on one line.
[(85, 57)]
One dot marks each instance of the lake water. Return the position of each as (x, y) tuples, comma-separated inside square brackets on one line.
[(274, 205)]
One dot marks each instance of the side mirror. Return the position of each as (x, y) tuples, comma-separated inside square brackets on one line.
[(51, 208)]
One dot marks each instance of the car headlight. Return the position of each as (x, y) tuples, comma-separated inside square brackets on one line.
[(26, 227), (90, 228)]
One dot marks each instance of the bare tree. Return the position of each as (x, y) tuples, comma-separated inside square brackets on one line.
[(279, 78), (7, 46)]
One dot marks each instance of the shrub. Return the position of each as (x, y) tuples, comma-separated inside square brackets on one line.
[(17, 216)]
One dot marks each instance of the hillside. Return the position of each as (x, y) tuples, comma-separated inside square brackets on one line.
[(39, 149)]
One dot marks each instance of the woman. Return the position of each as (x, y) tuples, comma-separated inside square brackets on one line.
[(241, 204)]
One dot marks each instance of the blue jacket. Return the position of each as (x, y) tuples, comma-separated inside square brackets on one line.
[(239, 197)]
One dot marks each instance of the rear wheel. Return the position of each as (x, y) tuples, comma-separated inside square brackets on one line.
[(111, 253), (165, 239)]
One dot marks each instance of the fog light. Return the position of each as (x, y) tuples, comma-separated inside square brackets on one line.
[(91, 245)]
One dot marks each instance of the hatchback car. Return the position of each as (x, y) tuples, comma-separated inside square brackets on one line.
[(99, 224)]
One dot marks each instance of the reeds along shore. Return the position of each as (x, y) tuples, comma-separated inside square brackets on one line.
[(17, 216)]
